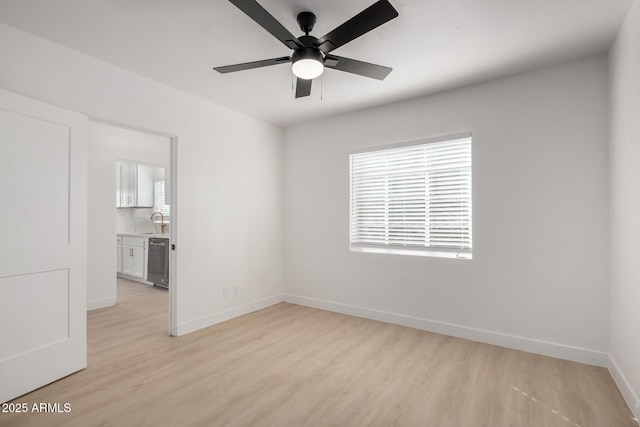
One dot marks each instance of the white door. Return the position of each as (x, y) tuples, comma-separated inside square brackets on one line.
[(127, 259), (138, 262), (133, 260), (43, 273), (123, 185)]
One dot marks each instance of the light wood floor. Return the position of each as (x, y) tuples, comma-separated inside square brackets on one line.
[(290, 365)]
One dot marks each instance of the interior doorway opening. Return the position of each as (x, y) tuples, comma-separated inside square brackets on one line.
[(132, 209)]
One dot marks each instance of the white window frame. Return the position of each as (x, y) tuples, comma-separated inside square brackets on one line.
[(384, 235), (158, 201)]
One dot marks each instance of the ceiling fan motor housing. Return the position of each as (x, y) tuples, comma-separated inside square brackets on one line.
[(308, 41)]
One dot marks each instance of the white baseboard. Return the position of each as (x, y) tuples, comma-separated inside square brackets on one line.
[(100, 303), (625, 388), (230, 313), (545, 348), (134, 279)]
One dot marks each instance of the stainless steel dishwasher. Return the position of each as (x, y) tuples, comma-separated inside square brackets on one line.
[(158, 262)]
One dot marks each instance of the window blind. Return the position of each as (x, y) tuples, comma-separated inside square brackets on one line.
[(159, 199), (415, 197)]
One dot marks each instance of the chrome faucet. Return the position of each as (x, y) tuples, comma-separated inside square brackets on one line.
[(162, 224)]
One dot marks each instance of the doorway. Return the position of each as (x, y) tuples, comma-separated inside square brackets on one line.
[(137, 166)]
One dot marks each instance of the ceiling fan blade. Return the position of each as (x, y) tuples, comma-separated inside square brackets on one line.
[(256, 12), (370, 18), (249, 65), (303, 87), (357, 67)]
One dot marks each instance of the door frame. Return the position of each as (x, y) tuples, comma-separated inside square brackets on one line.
[(173, 232)]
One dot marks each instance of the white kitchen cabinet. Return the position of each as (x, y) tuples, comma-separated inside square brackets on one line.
[(134, 185), (134, 256), (119, 254)]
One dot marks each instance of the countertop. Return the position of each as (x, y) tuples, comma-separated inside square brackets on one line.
[(155, 235)]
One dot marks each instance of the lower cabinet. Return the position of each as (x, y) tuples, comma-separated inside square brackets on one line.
[(134, 253), (119, 254)]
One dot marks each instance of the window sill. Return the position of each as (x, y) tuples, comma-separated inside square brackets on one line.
[(413, 252)]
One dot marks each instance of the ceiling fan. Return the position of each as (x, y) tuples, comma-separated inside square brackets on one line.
[(310, 54)]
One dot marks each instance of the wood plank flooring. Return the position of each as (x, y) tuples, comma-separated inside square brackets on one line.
[(290, 365)]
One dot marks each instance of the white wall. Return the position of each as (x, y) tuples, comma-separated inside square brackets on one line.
[(107, 144), (538, 278), (229, 171), (624, 60)]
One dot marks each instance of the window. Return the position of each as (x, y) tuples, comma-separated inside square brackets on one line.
[(158, 198), (413, 198)]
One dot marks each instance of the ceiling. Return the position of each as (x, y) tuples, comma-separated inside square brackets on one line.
[(432, 46)]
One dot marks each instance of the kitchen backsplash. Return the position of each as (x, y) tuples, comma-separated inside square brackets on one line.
[(136, 220)]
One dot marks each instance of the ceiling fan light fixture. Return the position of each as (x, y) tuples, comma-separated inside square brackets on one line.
[(311, 54), (307, 63)]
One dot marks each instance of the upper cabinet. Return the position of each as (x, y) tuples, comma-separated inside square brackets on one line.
[(134, 185)]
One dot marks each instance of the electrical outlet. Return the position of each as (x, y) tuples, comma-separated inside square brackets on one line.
[(236, 290), (226, 293)]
